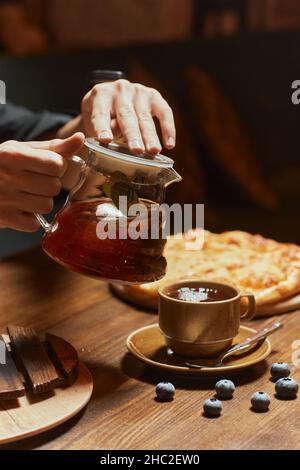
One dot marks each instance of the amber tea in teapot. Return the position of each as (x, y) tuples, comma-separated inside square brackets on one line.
[(75, 244), (79, 239)]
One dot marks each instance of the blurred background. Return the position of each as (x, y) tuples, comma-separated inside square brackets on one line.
[(225, 66)]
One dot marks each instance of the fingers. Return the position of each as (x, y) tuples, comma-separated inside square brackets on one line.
[(32, 203), (136, 105), (39, 185), (64, 147), (12, 183), (18, 220), (48, 157), (129, 108), (30, 178), (163, 112), (44, 162), (96, 112), (127, 118), (116, 129), (22, 157), (146, 123)]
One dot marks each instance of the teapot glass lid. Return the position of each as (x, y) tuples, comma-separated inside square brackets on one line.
[(115, 150)]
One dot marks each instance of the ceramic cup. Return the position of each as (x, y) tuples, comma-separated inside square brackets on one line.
[(202, 329)]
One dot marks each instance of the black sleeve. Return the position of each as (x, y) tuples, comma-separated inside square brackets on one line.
[(18, 123)]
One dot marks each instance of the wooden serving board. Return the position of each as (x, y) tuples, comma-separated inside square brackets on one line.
[(285, 306), (134, 296), (31, 414)]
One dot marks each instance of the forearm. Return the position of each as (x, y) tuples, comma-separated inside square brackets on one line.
[(19, 123)]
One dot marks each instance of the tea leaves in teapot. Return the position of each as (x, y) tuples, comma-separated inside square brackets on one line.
[(123, 189), (120, 185)]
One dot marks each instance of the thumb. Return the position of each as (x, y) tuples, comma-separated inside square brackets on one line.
[(64, 147)]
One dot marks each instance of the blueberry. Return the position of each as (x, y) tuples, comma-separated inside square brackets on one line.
[(280, 370), (165, 391), (260, 401), (225, 389), (212, 407), (286, 388)]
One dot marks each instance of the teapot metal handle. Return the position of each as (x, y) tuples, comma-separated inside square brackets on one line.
[(44, 223)]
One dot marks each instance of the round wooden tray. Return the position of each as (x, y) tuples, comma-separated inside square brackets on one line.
[(285, 306), (30, 415)]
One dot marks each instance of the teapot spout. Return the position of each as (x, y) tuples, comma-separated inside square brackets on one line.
[(171, 176)]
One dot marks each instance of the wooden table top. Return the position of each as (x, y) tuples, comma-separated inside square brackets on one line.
[(122, 413)]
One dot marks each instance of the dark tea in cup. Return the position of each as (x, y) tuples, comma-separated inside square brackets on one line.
[(197, 292)]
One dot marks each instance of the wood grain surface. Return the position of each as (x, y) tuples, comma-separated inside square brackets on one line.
[(65, 358), (30, 354), (11, 384), (31, 415), (123, 412)]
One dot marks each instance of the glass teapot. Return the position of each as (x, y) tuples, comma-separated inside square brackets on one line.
[(105, 229)]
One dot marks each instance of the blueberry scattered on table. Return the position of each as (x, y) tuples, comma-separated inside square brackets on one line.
[(212, 407), (165, 391), (225, 389), (260, 401), (286, 388), (280, 370)]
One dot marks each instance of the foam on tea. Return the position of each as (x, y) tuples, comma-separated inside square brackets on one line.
[(199, 293)]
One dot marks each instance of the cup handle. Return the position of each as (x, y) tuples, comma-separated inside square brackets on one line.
[(44, 223), (250, 312)]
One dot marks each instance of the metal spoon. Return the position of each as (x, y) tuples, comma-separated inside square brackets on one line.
[(237, 348)]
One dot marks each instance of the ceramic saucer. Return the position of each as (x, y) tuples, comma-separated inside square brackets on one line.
[(148, 345)]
